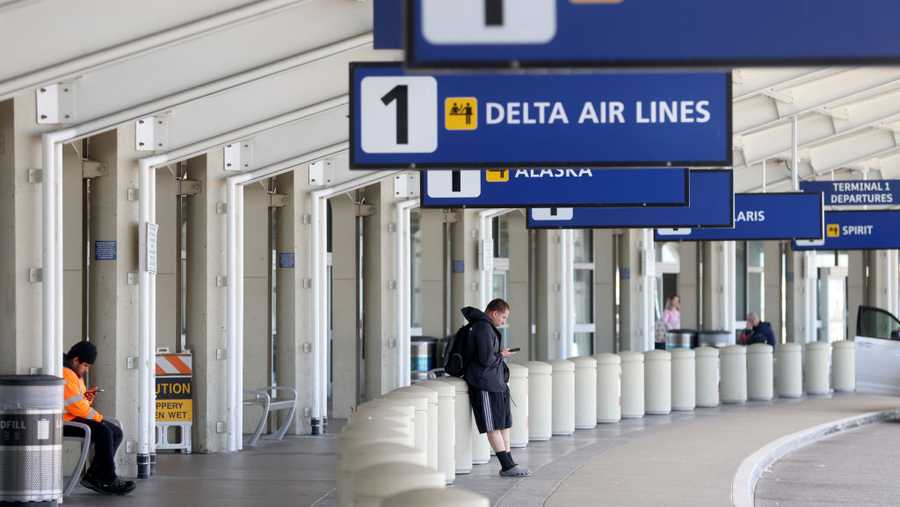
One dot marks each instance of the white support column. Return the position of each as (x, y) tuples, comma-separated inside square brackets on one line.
[(719, 286), (402, 294), (638, 274), (802, 297), (884, 286)]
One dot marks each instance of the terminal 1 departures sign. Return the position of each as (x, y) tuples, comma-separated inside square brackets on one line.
[(856, 192), (857, 230), (515, 188), (563, 119), (620, 33), (792, 215), (712, 205)]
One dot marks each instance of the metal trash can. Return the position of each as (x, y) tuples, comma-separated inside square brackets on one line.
[(423, 356), (31, 419)]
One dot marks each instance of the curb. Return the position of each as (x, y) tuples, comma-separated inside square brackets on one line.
[(744, 484)]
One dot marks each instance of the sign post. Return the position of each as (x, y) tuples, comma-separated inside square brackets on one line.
[(564, 119)]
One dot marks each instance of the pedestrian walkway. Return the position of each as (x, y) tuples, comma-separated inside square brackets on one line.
[(687, 458), (856, 468)]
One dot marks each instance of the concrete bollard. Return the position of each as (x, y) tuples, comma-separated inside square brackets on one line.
[(422, 422), (760, 372), (433, 409), (734, 374), (707, 362), (609, 388), (657, 382), (349, 438), (373, 484), (563, 420), (462, 425), (844, 366), (684, 380), (360, 456), (789, 370), (632, 384), (817, 365), (446, 440), (437, 498), (585, 392), (481, 448), (540, 401), (518, 394)]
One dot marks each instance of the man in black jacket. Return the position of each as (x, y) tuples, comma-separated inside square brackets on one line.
[(487, 375), (758, 331)]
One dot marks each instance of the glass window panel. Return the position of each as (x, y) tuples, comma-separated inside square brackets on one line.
[(756, 293), (501, 236), (499, 288), (584, 312), (415, 278), (755, 256), (584, 344), (584, 246), (741, 280), (825, 259)]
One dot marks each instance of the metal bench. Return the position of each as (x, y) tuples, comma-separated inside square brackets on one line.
[(262, 398), (85, 450)]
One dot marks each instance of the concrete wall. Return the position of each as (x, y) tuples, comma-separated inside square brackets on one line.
[(285, 287), (432, 231), (343, 287), (772, 259), (688, 285), (73, 247), (856, 288), (604, 292), (517, 285), (167, 298), (256, 295)]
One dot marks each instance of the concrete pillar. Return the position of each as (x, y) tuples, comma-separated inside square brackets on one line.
[(284, 284), (552, 339), (883, 280), (604, 292), (257, 312), (431, 224), (517, 285), (773, 302), (168, 326), (802, 297), (856, 288), (114, 301), (73, 248), (688, 285), (380, 317), (207, 302), (638, 273), (343, 287), (719, 285), (465, 277)]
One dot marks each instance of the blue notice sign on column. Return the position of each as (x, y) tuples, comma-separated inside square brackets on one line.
[(773, 216), (286, 260), (857, 230), (561, 119), (104, 250), (856, 192)]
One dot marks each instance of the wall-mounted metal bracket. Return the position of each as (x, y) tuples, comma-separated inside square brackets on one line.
[(239, 156), (278, 200), (222, 208), (152, 133), (35, 176), (365, 210), (321, 172), (56, 103), (35, 275), (406, 186), (189, 187), (93, 169)]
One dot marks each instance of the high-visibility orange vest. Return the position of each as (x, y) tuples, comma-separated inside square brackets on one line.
[(75, 403)]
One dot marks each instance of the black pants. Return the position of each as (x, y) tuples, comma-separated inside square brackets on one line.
[(106, 437)]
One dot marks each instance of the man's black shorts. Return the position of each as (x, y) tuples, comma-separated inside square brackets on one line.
[(491, 410)]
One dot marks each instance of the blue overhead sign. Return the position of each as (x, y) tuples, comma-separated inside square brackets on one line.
[(621, 33), (712, 205), (762, 217), (856, 192), (388, 21), (857, 230), (537, 120), (514, 188)]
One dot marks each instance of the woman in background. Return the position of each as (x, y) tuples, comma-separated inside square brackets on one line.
[(672, 313)]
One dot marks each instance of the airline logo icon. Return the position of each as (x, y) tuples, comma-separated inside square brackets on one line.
[(497, 175), (454, 184), (552, 214), (834, 231)]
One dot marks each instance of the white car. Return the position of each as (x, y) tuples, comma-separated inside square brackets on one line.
[(877, 351)]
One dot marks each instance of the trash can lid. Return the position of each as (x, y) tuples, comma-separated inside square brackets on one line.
[(760, 348), (388, 478), (732, 350), (30, 380), (443, 389), (706, 351), (607, 358), (517, 371), (657, 355), (632, 357), (682, 354), (443, 497), (562, 365), (538, 367), (844, 344), (584, 362)]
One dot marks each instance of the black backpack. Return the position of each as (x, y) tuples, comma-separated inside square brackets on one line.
[(455, 354)]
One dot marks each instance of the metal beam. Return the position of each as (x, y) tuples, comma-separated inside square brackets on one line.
[(779, 86)]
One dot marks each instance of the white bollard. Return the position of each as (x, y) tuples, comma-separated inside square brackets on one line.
[(707, 359), (433, 409), (684, 380), (481, 448), (760, 372), (540, 401), (789, 370), (632, 384), (657, 382), (518, 395), (373, 484), (844, 366), (734, 374), (563, 421), (454, 497), (462, 425), (585, 392), (609, 388), (363, 455), (817, 364), (446, 438), (375, 431), (422, 424)]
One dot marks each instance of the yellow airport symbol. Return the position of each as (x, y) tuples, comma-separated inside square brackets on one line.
[(834, 230), (497, 175), (461, 113)]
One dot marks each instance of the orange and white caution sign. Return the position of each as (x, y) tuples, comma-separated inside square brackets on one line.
[(174, 364)]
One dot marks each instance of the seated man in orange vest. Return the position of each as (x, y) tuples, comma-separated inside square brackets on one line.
[(105, 435)]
